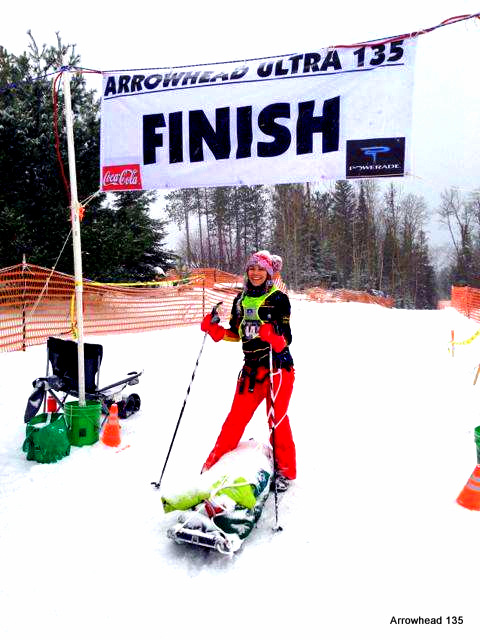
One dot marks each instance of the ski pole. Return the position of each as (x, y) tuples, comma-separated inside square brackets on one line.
[(215, 319), (271, 414)]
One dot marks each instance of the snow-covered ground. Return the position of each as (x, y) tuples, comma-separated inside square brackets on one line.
[(383, 419)]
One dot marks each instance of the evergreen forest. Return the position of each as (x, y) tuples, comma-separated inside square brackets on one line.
[(367, 235), (120, 240)]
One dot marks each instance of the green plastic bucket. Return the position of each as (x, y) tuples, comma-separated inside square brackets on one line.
[(46, 438), (83, 422), (477, 443)]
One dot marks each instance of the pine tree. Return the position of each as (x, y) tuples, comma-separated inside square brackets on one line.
[(425, 296), (255, 219), (372, 197), (220, 220), (363, 242), (34, 199), (124, 243), (411, 220), (322, 250), (343, 210), (199, 211), (389, 256), (287, 215)]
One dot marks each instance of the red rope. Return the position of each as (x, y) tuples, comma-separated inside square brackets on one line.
[(81, 208), (57, 137), (413, 34)]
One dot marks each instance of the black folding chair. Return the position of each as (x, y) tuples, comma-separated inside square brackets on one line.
[(62, 378)]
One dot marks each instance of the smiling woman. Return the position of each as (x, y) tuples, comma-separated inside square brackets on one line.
[(260, 318), (256, 274)]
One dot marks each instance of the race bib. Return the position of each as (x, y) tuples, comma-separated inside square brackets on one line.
[(251, 329)]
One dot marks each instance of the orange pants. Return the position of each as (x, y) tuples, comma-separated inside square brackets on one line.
[(244, 406)]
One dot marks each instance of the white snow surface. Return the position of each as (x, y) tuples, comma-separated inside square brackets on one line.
[(383, 418)]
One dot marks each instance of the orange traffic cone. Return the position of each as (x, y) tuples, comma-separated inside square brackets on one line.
[(470, 494), (111, 430)]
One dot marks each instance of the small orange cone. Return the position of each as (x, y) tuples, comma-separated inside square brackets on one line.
[(111, 431), (470, 494)]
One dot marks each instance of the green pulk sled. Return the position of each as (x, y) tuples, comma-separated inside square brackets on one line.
[(220, 510)]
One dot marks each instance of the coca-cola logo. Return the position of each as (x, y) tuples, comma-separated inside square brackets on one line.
[(122, 177)]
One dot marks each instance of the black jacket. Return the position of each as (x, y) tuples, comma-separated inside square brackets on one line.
[(274, 309)]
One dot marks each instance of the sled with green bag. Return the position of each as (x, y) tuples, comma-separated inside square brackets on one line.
[(223, 507)]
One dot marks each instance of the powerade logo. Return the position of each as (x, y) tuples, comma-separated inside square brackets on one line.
[(375, 157), (373, 151)]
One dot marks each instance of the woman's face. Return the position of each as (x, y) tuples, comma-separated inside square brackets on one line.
[(257, 275)]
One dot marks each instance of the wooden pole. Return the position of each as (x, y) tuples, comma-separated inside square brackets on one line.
[(77, 248)]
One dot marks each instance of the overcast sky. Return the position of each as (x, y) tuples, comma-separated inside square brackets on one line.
[(128, 35)]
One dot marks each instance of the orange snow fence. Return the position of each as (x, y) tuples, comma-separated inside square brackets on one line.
[(467, 301), (344, 295), (444, 304), (36, 303)]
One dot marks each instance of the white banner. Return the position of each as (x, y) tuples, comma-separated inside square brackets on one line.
[(324, 115)]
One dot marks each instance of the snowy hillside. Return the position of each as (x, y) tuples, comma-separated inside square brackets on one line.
[(383, 420)]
